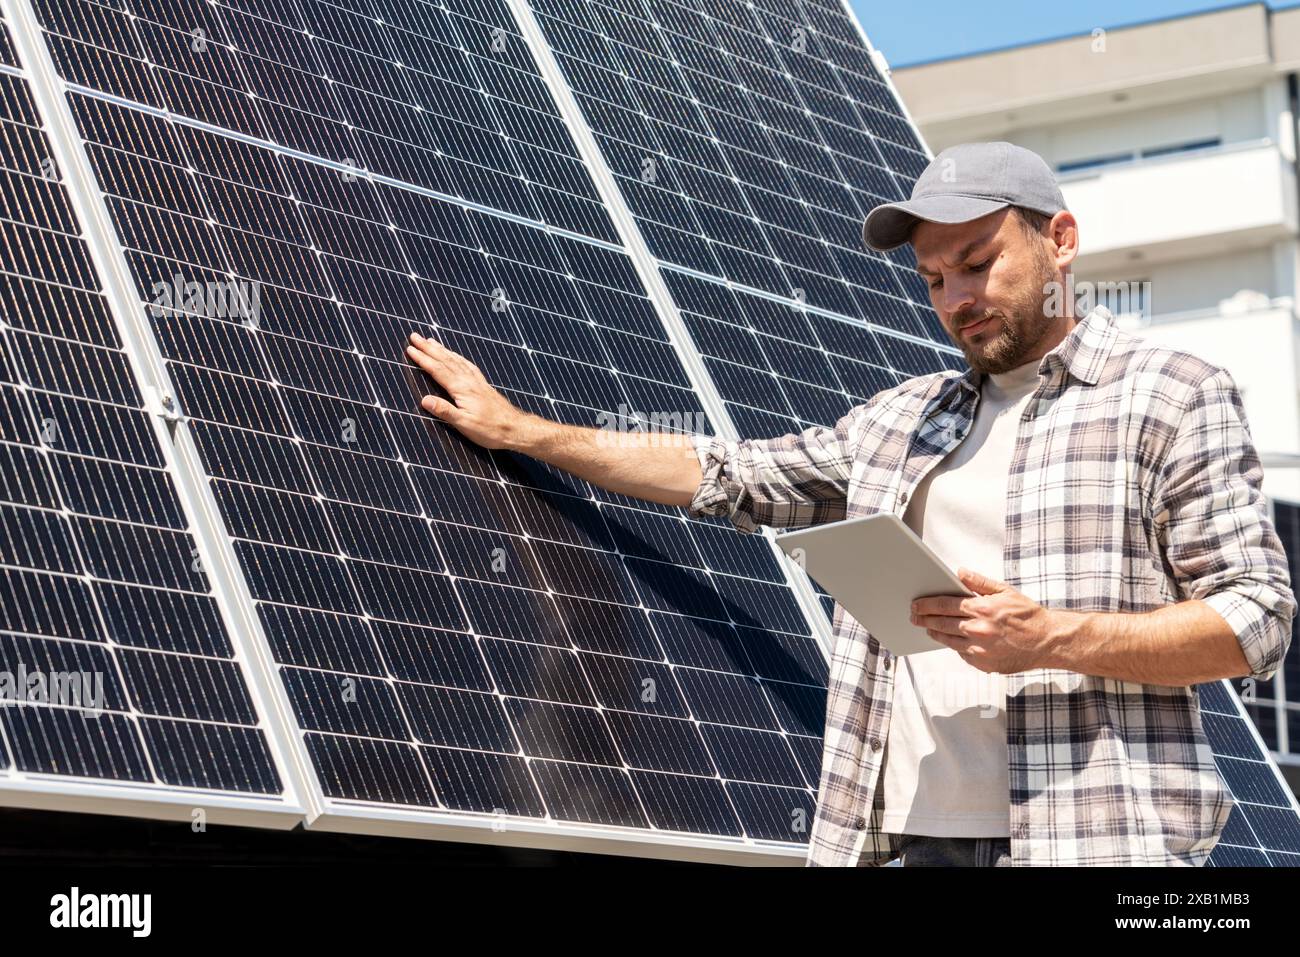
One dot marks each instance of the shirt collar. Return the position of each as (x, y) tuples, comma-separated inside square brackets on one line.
[(1083, 352)]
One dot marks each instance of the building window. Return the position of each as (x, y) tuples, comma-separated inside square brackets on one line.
[(1187, 147), (1072, 166)]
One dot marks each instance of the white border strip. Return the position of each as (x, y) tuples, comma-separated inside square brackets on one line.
[(354, 817), (53, 792)]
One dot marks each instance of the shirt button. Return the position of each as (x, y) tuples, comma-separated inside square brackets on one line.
[(902, 499), (860, 824), (875, 744)]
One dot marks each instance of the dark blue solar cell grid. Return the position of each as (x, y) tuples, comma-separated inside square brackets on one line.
[(403, 89), (744, 152), (781, 368), (99, 573), (8, 56)]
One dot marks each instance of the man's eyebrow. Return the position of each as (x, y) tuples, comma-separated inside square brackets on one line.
[(962, 254)]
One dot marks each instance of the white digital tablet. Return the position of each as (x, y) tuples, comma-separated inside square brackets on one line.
[(875, 566)]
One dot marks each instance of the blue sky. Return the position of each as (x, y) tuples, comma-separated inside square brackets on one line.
[(910, 32)]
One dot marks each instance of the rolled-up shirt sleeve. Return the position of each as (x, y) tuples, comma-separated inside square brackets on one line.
[(1212, 521), (791, 481)]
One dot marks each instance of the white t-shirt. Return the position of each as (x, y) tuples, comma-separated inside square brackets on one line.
[(946, 771)]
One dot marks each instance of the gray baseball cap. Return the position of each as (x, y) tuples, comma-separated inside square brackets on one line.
[(965, 182)]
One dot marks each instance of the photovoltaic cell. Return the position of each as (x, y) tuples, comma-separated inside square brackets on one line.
[(101, 583), (7, 55), (455, 628)]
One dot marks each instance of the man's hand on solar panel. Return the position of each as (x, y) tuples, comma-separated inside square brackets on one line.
[(655, 466), (476, 410)]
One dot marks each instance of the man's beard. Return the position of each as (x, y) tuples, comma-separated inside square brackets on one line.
[(1023, 326)]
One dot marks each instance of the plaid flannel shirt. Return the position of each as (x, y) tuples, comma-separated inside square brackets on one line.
[(1134, 484)]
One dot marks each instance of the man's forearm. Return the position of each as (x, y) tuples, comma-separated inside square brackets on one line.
[(1183, 644), (657, 466)]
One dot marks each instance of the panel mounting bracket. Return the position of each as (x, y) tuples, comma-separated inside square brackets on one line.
[(162, 404)]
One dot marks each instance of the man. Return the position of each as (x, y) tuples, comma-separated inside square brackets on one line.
[(1099, 494)]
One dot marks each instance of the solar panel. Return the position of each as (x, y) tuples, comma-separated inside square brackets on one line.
[(120, 677), (1262, 830), (8, 57), (1274, 705), (470, 644)]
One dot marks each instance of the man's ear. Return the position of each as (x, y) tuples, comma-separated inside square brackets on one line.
[(1063, 231)]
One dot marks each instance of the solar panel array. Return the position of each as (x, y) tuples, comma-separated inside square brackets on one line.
[(295, 186), (494, 624), (1262, 829), (100, 575)]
